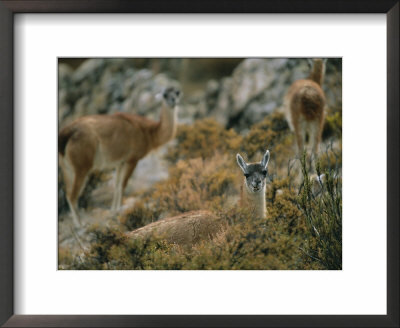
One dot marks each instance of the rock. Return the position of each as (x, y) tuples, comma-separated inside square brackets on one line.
[(64, 76), (99, 103), (81, 107), (255, 88), (250, 79), (90, 68)]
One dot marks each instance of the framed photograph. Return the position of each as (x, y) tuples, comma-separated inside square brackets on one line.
[(199, 165), (180, 127)]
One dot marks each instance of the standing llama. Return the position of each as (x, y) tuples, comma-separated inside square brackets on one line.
[(304, 106), (253, 190), (190, 228), (112, 141)]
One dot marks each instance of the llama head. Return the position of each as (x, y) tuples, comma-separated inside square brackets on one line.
[(171, 96), (316, 61), (255, 173), (317, 64)]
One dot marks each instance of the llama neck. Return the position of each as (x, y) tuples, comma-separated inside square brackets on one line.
[(166, 127), (318, 72), (255, 201)]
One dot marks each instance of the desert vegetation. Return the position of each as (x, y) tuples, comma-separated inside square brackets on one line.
[(197, 171)]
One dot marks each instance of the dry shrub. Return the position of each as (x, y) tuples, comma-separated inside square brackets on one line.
[(283, 207), (193, 184), (272, 133), (268, 133), (204, 176), (330, 159), (286, 240), (246, 244), (203, 139), (333, 125), (65, 258), (141, 214), (111, 249)]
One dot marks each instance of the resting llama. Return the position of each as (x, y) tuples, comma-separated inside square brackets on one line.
[(190, 228), (112, 141)]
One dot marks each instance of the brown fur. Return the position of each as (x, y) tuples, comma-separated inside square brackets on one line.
[(255, 176), (109, 141), (186, 229), (305, 105), (318, 71), (63, 138)]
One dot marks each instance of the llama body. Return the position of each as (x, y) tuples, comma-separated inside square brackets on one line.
[(111, 141), (254, 186), (186, 229), (254, 201), (304, 107)]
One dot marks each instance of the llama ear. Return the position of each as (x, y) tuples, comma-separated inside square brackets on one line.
[(310, 62), (265, 160), (241, 162)]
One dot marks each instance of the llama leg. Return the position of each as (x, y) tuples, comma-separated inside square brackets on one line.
[(315, 137), (68, 183), (287, 113), (319, 133), (74, 213), (79, 154), (117, 188), (67, 176), (73, 195), (126, 174)]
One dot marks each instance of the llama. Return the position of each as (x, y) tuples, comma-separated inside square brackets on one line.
[(253, 189), (112, 141), (190, 228), (304, 106), (186, 229)]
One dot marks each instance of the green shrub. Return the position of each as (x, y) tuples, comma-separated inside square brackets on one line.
[(323, 211)]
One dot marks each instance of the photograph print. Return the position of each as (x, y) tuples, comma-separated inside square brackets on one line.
[(199, 163)]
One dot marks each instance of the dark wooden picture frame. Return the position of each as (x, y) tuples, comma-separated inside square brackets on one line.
[(10, 7)]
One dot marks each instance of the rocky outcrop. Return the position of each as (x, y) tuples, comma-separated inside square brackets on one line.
[(100, 86), (255, 88)]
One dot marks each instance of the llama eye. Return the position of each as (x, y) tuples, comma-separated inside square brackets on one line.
[(264, 172), (246, 175)]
